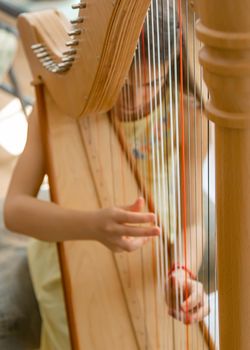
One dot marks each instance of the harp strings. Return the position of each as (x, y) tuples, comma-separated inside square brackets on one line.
[(153, 68), (157, 79), (189, 125), (159, 143), (159, 139), (163, 120)]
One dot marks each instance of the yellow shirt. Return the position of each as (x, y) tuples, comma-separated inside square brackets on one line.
[(46, 278)]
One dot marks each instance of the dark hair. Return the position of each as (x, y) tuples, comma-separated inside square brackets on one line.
[(160, 30), (162, 25)]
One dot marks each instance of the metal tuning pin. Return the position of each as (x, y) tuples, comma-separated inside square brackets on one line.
[(63, 67), (48, 64), (69, 52), (73, 42), (36, 46), (80, 5), (75, 32), (77, 20), (68, 59), (54, 69), (42, 55), (39, 50), (46, 59)]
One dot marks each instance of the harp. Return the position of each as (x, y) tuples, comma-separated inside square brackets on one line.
[(118, 300)]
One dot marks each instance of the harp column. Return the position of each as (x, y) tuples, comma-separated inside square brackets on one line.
[(224, 28)]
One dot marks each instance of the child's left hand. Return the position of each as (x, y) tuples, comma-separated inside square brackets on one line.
[(186, 298)]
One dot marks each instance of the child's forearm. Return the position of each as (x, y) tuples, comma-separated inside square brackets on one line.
[(110, 226), (45, 220)]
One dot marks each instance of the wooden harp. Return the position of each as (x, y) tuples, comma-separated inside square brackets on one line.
[(115, 300)]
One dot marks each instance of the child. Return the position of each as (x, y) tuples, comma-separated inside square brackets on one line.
[(48, 222), (150, 108)]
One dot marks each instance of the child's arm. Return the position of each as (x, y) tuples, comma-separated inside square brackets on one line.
[(48, 221)]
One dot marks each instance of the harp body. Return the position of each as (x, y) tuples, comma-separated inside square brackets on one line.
[(115, 303), (112, 300)]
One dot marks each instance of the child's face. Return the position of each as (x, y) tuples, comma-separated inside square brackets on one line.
[(140, 92)]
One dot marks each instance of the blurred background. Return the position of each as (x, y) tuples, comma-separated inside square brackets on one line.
[(16, 92)]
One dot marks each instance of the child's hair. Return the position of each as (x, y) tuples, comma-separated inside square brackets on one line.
[(162, 28)]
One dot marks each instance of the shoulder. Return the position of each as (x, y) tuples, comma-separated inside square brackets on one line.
[(30, 168)]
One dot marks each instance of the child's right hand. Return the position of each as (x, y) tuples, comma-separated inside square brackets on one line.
[(119, 229)]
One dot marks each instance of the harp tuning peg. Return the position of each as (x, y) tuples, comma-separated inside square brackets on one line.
[(48, 64), (42, 55), (77, 20), (46, 59), (36, 46), (64, 65), (54, 69), (80, 5), (39, 50), (72, 43), (68, 59), (75, 32), (69, 52)]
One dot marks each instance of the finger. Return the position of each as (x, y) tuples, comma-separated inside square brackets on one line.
[(134, 231), (180, 316), (195, 299), (179, 283), (136, 206), (134, 218), (129, 245), (202, 312), (189, 317), (175, 286)]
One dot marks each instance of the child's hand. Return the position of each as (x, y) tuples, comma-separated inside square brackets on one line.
[(119, 229), (186, 298)]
